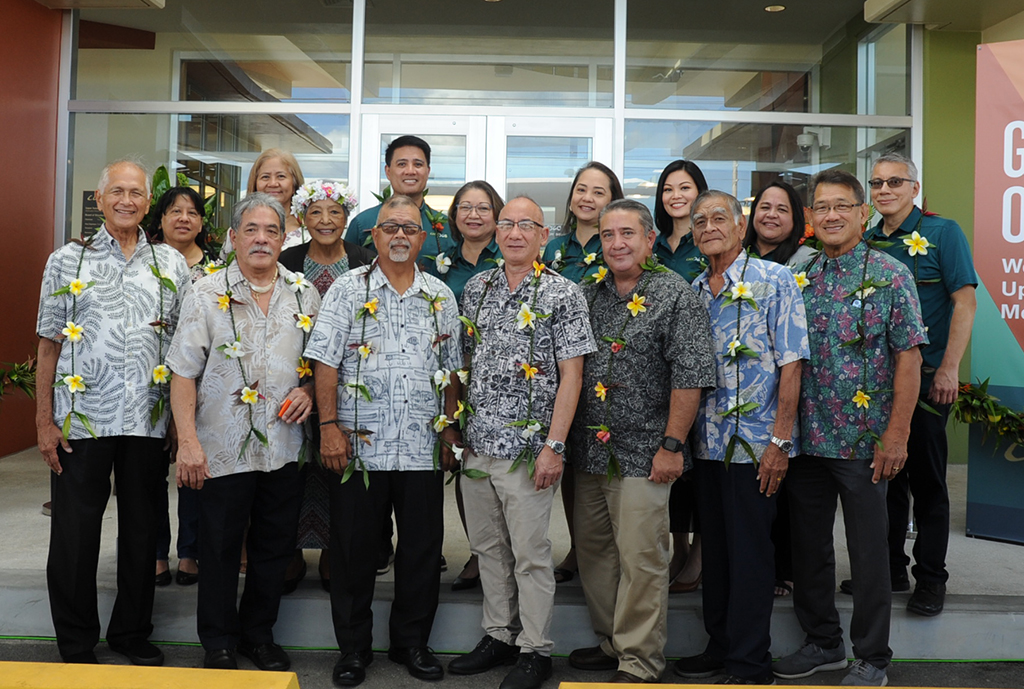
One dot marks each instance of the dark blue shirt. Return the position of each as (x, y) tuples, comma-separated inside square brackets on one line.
[(686, 260), (572, 264), (461, 270)]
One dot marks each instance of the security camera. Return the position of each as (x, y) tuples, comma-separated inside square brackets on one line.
[(805, 141)]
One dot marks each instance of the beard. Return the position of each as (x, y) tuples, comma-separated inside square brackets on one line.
[(400, 253)]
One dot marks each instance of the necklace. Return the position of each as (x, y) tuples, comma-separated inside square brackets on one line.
[(257, 290)]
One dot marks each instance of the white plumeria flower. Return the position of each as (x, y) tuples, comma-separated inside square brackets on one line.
[(73, 332), (298, 282), (590, 258), (501, 262), (526, 318), (233, 350), (457, 451), (161, 374), (443, 263), (733, 346), (530, 430), (463, 375), (741, 290), (441, 422), (442, 378), (864, 293)]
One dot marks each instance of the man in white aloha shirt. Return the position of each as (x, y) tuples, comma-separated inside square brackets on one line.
[(107, 309), (240, 393)]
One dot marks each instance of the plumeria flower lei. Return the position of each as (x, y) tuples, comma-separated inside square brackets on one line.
[(617, 342), (741, 294)]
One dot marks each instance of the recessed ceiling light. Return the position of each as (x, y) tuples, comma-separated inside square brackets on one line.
[(774, 8), (492, 0)]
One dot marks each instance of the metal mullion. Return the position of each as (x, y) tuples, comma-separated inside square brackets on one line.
[(355, 120), (618, 160), (65, 136)]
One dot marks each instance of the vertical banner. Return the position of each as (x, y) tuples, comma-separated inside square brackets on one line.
[(996, 473)]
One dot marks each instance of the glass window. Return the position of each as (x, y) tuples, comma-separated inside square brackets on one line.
[(215, 152), (742, 158), (229, 50), (543, 167), (432, 53), (447, 167)]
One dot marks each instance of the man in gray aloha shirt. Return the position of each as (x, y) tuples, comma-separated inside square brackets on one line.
[(640, 394), (525, 353), (104, 325)]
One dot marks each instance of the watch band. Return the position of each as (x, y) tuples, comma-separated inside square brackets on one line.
[(672, 444)]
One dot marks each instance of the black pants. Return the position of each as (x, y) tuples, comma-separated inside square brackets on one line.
[(814, 485), (269, 503), (357, 515), (924, 477), (79, 497), (738, 567)]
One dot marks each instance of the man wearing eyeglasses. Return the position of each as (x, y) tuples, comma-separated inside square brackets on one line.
[(386, 346), (857, 396), (937, 253), (525, 363)]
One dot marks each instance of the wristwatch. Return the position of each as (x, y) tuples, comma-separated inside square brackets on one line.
[(672, 444), (556, 445), (784, 445)]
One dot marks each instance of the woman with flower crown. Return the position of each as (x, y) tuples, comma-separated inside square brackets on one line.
[(323, 207)]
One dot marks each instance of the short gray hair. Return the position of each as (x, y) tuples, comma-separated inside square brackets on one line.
[(642, 212), (132, 160), (731, 203), (257, 199), (397, 201), (900, 159)]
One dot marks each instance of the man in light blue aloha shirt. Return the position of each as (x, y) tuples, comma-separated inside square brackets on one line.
[(386, 346), (746, 434)]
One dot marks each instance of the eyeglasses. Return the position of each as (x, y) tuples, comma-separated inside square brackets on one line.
[(480, 208), (523, 225), (893, 182), (841, 208), (410, 229)]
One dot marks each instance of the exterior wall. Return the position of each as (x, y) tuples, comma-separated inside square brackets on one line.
[(30, 55), (1011, 29)]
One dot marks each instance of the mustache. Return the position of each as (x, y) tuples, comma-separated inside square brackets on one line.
[(260, 250)]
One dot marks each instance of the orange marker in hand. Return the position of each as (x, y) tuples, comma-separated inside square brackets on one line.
[(284, 408)]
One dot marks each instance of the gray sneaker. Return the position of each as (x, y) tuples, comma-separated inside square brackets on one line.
[(808, 660), (864, 674)]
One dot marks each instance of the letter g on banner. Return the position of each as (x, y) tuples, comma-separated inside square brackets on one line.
[(1013, 157)]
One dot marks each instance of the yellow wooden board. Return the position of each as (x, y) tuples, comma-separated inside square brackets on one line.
[(63, 676)]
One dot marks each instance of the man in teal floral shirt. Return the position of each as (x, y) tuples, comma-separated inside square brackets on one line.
[(857, 398)]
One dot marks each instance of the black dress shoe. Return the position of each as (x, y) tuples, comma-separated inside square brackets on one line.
[(421, 663), (898, 586), (623, 677), (138, 651), (187, 578), (928, 599), (350, 669), (265, 656), (291, 584), (592, 658), (83, 658), (465, 583), (163, 578), (220, 659), (529, 673), (488, 653)]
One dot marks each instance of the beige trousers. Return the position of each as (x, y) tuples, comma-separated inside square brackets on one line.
[(507, 519), (622, 545)]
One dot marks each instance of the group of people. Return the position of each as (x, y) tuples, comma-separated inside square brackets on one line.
[(687, 371)]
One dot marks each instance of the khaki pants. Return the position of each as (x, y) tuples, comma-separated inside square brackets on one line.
[(507, 520), (622, 546)]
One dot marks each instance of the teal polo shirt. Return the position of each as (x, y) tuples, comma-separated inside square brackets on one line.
[(572, 265), (358, 233), (461, 270), (686, 260), (946, 267)]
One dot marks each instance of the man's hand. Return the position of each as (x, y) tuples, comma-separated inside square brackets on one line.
[(773, 468), (945, 386), (335, 448), (300, 405), (48, 436), (890, 457), (449, 437), (547, 469), (192, 468), (667, 466)]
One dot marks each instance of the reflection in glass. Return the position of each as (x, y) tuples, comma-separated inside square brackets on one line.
[(542, 167)]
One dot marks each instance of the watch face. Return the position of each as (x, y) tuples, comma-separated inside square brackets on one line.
[(557, 446), (672, 444)]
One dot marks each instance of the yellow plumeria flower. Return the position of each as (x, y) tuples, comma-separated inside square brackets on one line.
[(733, 346), (74, 383), (459, 410), (590, 258), (741, 290), (801, 279), (160, 374), (303, 322), (916, 244), (538, 268), (249, 396), (526, 318), (73, 332), (636, 305), (224, 302), (365, 350), (210, 268), (371, 306), (304, 369), (861, 399), (601, 274), (441, 422), (529, 371), (601, 391), (436, 305), (76, 287)]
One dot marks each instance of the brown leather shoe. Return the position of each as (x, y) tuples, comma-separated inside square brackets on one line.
[(623, 677)]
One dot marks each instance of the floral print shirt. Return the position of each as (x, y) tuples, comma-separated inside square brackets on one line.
[(498, 391), (271, 345), (776, 331), (668, 347), (831, 420), (398, 371), (119, 345)]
